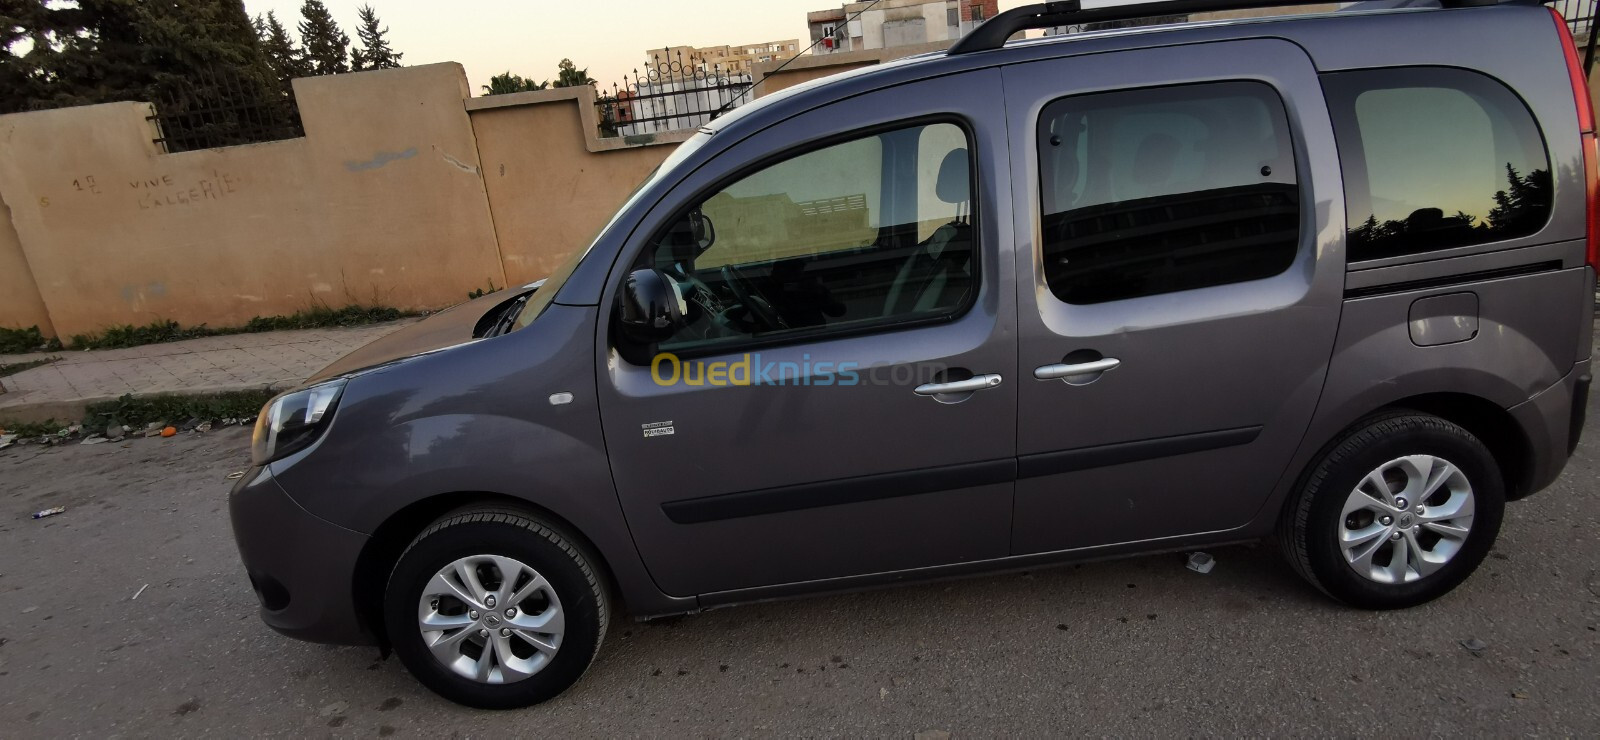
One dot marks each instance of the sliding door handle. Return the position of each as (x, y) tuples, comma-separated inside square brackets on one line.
[(976, 383), (1075, 370)]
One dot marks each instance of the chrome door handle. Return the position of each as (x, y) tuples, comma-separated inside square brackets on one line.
[(1059, 371), (976, 383)]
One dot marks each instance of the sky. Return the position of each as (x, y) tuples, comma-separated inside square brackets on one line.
[(530, 38)]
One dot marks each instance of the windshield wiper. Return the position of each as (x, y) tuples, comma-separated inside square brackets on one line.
[(509, 318)]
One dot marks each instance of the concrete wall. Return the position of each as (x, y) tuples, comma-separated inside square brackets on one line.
[(381, 203), (20, 304), (404, 192), (552, 182)]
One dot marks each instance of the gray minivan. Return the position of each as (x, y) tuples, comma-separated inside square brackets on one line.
[(1324, 277)]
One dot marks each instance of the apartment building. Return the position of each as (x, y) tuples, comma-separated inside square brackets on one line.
[(730, 60), (856, 26)]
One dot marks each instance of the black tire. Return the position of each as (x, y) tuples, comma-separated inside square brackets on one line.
[(1312, 521), (555, 556)]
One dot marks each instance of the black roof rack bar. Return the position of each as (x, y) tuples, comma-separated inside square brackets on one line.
[(992, 34)]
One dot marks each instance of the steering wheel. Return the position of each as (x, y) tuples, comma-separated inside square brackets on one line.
[(758, 307)]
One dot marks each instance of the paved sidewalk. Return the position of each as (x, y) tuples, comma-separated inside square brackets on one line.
[(277, 359)]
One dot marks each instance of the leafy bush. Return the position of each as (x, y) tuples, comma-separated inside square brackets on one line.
[(17, 341), (317, 317), (137, 412)]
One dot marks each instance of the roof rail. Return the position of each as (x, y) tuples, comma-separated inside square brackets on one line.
[(994, 32)]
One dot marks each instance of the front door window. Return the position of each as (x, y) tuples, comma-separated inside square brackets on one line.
[(869, 233)]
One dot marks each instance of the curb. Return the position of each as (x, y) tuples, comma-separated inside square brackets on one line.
[(72, 410)]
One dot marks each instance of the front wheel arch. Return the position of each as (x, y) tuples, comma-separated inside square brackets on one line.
[(390, 539)]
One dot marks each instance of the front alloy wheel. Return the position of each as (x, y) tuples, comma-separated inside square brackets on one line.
[(495, 609), (491, 619)]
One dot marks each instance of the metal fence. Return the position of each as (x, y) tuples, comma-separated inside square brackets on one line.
[(675, 93), (222, 107), (671, 94), (1580, 16)]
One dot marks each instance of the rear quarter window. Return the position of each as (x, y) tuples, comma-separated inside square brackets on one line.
[(1435, 158)]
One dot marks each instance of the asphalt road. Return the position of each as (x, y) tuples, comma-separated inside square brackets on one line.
[(1140, 646)]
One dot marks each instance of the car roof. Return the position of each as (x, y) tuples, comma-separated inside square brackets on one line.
[(1377, 32)]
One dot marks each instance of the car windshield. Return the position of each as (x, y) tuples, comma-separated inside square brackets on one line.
[(546, 293)]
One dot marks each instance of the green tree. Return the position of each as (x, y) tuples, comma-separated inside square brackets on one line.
[(568, 75), (506, 83), (29, 36), (326, 45), (98, 51), (283, 56), (375, 52)]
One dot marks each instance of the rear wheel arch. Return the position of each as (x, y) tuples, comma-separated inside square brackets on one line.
[(1491, 424), (1406, 568), (1485, 419), (391, 538)]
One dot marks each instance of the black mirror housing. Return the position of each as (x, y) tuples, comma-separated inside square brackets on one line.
[(652, 306)]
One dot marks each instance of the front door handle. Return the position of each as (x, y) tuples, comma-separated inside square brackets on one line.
[(975, 383), (1064, 371)]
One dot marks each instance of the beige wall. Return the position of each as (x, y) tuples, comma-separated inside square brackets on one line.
[(20, 304), (404, 192), (380, 203), (552, 182)]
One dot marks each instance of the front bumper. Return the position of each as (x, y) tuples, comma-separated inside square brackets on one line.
[(300, 566)]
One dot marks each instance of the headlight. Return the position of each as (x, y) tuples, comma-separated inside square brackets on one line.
[(292, 421)]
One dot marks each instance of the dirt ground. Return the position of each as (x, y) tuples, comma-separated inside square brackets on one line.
[(130, 615)]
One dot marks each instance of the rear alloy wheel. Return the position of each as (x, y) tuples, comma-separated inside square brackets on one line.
[(1406, 519), (1398, 512), (496, 610)]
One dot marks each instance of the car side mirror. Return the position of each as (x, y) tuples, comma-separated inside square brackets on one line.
[(652, 306)]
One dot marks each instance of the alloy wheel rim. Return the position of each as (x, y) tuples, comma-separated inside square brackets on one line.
[(1406, 519), (491, 619)]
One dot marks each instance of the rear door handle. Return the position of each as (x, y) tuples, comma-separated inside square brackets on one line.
[(1062, 371), (975, 383)]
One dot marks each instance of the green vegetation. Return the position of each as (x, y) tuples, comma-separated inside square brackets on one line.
[(157, 332), (137, 412), (567, 75), (30, 429), (326, 47), (55, 54), (507, 83), (18, 341), (283, 56), (375, 52), (481, 292), (321, 317), (18, 367)]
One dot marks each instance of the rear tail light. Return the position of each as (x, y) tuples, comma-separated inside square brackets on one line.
[(1591, 148)]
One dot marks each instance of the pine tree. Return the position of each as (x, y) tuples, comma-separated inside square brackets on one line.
[(326, 45), (28, 29), (107, 50), (286, 60), (375, 52), (568, 75), (179, 54)]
